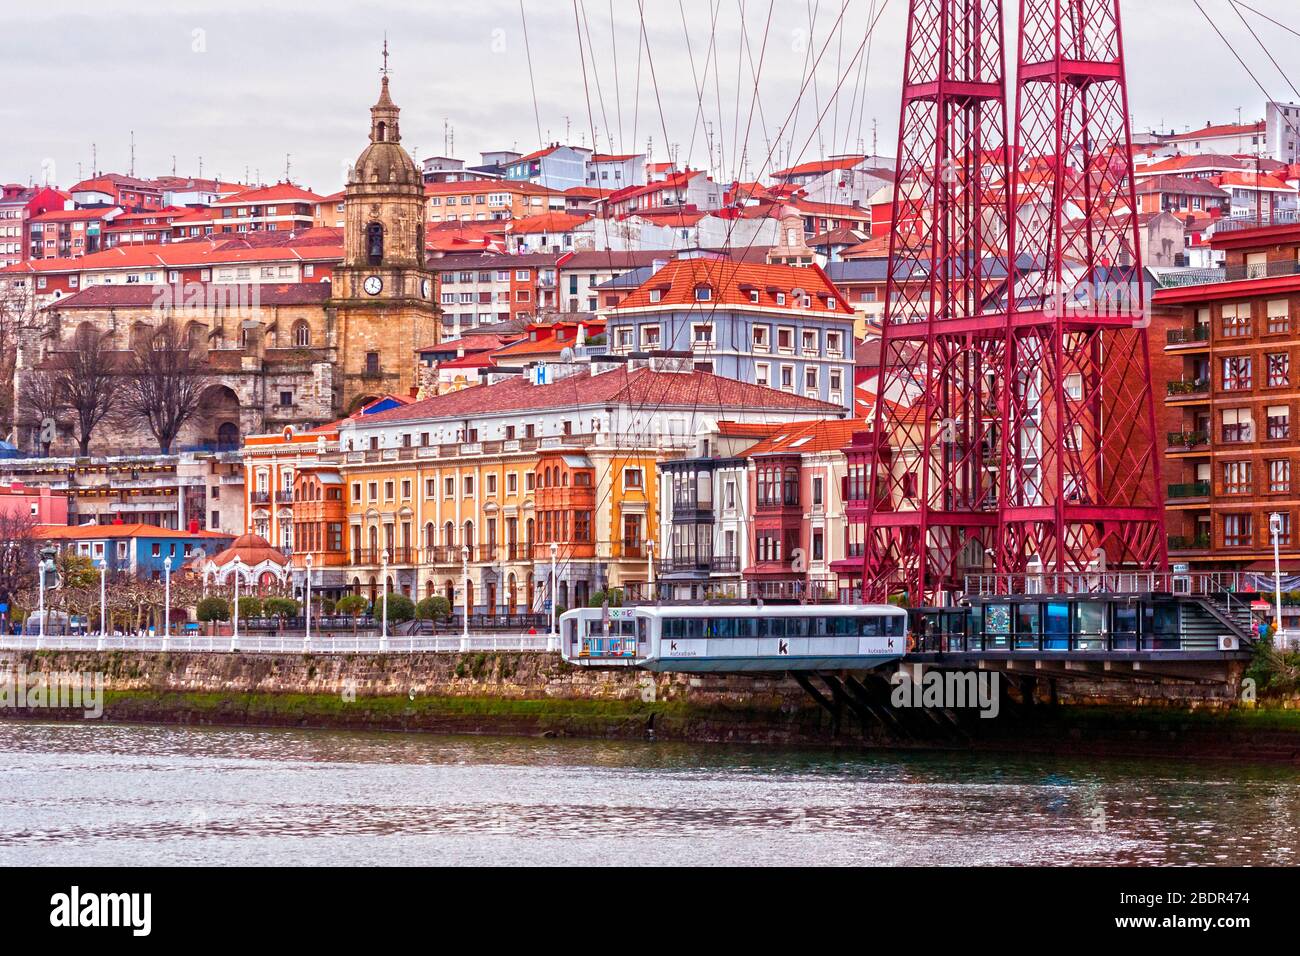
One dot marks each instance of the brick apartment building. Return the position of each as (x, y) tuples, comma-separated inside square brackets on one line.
[(1227, 375)]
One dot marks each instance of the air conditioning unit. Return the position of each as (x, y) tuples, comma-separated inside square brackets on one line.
[(1228, 642)]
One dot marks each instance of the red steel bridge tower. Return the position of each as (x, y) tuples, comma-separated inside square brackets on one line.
[(932, 487), (1014, 428), (1081, 466)]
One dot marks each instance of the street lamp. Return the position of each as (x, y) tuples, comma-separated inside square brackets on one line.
[(464, 566), (42, 565), (234, 635), (167, 599), (383, 574), (103, 603), (553, 639), (650, 569), (1275, 528), (307, 604)]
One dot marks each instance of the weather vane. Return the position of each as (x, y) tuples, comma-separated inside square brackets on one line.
[(384, 70)]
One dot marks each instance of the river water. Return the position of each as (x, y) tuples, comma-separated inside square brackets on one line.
[(87, 794)]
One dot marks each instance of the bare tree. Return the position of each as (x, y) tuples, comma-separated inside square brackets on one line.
[(164, 383), (18, 555), (41, 396), (17, 314), (89, 383)]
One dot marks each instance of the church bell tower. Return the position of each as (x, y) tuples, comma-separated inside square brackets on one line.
[(383, 292)]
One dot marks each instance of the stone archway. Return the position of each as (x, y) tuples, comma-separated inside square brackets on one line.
[(219, 420)]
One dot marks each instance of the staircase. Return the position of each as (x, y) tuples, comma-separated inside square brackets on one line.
[(1204, 619)]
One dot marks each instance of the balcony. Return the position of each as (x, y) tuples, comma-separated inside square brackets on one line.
[(1178, 542), (284, 496), (685, 564), (1193, 489), (1185, 388), (1197, 333), (259, 497), (1186, 441)]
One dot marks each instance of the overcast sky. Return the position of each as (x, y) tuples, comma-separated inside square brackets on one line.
[(242, 83)]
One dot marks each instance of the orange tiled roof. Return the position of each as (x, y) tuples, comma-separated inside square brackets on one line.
[(732, 283), (52, 532), (811, 436)]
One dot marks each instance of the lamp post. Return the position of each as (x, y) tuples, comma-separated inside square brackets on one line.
[(553, 639), (307, 603), (167, 600), (103, 603), (650, 569), (383, 574), (42, 565), (1275, 529), (464, 566), (234, 635)]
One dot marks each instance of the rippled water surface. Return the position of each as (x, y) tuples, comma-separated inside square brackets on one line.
[(77, 794)]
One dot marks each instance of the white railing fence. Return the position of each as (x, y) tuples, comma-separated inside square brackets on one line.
[(279, 643)]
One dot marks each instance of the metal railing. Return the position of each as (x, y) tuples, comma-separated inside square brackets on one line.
[(285, 643), (1197, 333), (1200, 583), (1191, 489), (1187, 387), (1184, 440)]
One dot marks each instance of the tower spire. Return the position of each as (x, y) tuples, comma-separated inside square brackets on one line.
[(383, 71)]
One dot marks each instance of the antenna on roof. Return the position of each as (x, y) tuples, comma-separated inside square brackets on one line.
[(287, 167), (173, 164), (94, 160), (200, 167), (132, 168)]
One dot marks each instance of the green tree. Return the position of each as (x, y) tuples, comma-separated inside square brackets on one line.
[(400, 608), (281, 608), (213, 609), (325, 605), (250, 607), (353, 604), (615, 596), (434, 608)]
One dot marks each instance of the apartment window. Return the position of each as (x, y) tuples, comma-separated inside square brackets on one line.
[(1279, 315), (469, 486), (356, 491), (810, 380), (1236, 530), (702, 334), (491, 484), (1278, 418), (1236, 319), (406, 488), (703, 293), (633, 478), (818, 545), (656, 295), (762, 341), (372, 490), (817, 491), (430, 488), (1279, 474), (1074, 386), (835, 344), (1279, 368), (1236, 372), (625, 338), (512, 483), (763, 374), (787, 378), (1236, 424), (1283, 530), (449, 487), (785, 339), (1236, 478), (837, 380), (388, 490), (650, 336), (809, 341)]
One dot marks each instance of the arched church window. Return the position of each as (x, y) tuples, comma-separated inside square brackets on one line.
[(302, 334)]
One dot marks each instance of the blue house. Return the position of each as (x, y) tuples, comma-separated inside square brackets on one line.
[(136, 549), (784, 327)]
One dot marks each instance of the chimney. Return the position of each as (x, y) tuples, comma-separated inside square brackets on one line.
[(194, 526)]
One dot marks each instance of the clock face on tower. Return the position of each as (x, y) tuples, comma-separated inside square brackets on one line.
[(373, 285), (426, 287)]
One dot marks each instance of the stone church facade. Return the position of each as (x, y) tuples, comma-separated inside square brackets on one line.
[(288, 354)]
